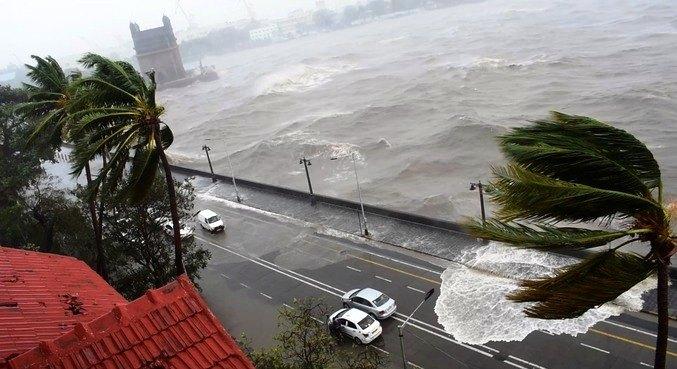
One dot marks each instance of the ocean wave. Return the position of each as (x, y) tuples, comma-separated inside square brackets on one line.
[(472, 305), (298, 78)]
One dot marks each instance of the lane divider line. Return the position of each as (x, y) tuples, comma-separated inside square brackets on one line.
[(383, 278), (415, 289), (288, 306), (225, 276), (266, 296), (244, 285), (355, 269), (397, 316), (594, 348), (652, 348), (397, 270), (635, 329), (645, 364)]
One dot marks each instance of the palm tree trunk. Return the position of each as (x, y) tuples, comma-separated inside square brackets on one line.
[(104, 266), (98, 239), (178, 249), (663, 318)]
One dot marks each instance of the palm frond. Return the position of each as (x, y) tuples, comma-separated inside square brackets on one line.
[(592, 141), (574, 290), (543, 236), (523, 194), (143, 171)]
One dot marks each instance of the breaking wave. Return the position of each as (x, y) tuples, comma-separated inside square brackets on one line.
[(472, 304), (298, 78)]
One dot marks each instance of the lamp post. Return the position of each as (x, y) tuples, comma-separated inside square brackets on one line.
[(363, 219), (232, 176), (209, 160), (478, 186), (400, 328), (306, 163)]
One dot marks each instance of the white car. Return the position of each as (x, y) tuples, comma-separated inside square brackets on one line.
[(374, 302), (357, 324), (210, 221), (168, 227)]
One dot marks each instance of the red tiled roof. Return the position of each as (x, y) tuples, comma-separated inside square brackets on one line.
[(44, 295), (170, 327)]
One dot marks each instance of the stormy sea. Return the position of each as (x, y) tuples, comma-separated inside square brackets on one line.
[(420, 99)]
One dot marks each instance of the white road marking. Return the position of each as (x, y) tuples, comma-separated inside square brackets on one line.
[(635, 330), (318, 320), (548, 333), (225, 276), (415, 289), (328, 289), (382, 278), (414, 365), (382, 350), (244, 285), (595, 348), (266, 296), (288, 306), (526, 362), (355, 269), (645, 364)]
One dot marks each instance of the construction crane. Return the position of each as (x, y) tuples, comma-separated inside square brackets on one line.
[(250, 11), (189, 18)]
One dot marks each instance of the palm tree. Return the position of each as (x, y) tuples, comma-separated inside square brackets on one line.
[(581, 171), (126, 119), (53, 97)]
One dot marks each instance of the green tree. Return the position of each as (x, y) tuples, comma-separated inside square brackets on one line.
[(139, 250), (125, 118), (53, 99), (578, 170), (304, 342), (20, 168)]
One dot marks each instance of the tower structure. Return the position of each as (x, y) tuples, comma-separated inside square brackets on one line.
[(156, 49)]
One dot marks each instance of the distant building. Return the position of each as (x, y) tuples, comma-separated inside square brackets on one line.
[(295, 24), (267, 33), (156, 49)]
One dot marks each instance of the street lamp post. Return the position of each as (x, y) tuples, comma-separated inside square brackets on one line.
[(363, 219), (306, 163), (359, 194), (209, 160), (478, 186), (400, 328), (232, 176)]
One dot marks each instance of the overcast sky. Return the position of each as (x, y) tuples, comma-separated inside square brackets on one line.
[(69, 27)]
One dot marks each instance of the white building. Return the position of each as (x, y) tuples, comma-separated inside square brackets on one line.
[(267, 33)]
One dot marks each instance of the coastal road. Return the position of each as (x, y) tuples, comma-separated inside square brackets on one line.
[(263, 262)]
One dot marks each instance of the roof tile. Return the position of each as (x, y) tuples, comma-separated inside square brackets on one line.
[(170, 326), (44, 296)]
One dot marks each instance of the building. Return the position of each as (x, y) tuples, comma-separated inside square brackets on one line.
[(156, 49), (295, 24), (56, 313), (267, 33)]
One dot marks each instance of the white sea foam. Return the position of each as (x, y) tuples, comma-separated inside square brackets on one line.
[(473, 308), (298, 78)]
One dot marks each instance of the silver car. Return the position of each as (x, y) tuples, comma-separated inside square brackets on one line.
[(371, 301)]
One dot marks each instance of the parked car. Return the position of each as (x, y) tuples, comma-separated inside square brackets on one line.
[(356, 324), (168, 227), (374, 302), (210, 221)]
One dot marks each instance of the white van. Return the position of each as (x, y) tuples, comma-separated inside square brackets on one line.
[(210, 221)]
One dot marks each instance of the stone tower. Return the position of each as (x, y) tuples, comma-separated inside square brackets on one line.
[(156, 48)]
